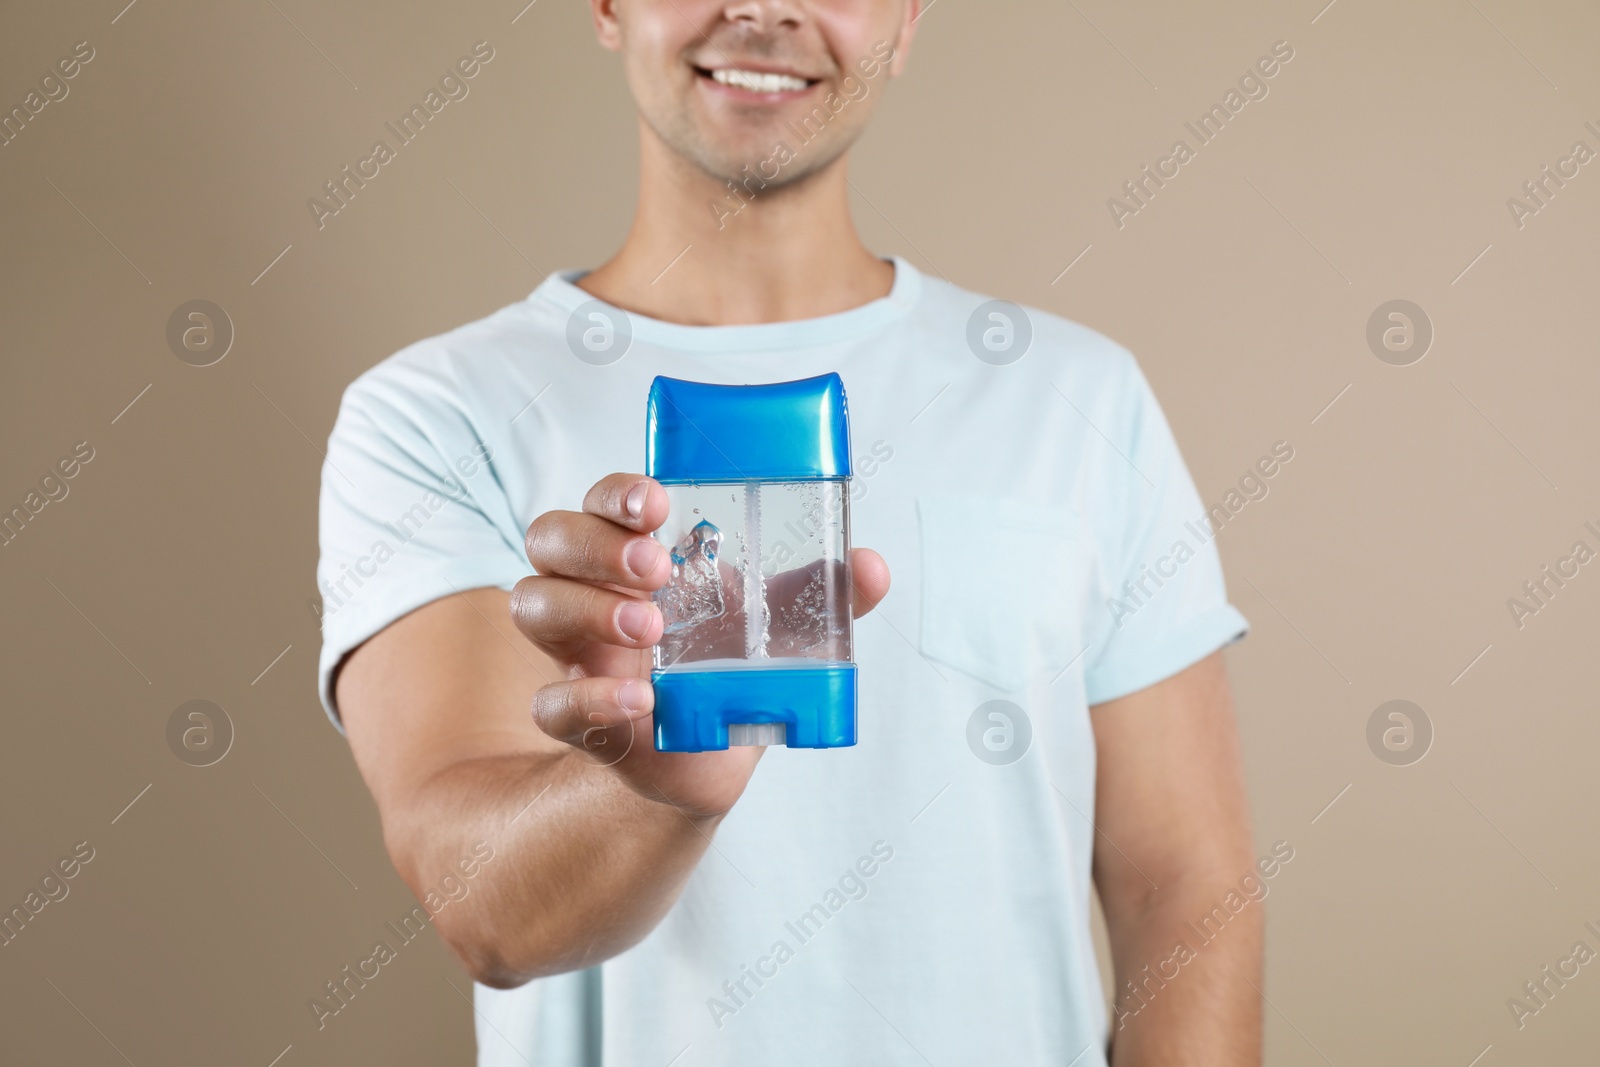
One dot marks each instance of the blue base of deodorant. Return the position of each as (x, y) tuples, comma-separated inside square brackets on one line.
[(695, 708)]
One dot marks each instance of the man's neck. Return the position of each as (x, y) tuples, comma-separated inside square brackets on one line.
[(696, 256)]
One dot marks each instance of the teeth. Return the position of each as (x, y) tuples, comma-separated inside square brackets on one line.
[(758, 81)]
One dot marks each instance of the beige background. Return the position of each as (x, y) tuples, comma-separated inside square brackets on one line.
[(1379, 566)]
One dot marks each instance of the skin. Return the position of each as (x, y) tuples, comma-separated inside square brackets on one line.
[(594, 832), (1171, 810)]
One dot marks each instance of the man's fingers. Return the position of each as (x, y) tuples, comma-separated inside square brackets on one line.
[(870, 576), (785, 590), (557, 611), (579, 545), (585, 713), (630, 500)]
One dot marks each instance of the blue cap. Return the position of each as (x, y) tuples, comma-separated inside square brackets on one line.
[(784, 432)]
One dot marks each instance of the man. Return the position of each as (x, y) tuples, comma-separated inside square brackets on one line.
[(1042, 700)]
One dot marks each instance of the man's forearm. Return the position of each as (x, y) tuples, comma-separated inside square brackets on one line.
[(583, 866), (1187, 973)]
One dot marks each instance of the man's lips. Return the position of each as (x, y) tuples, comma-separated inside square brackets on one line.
[(753, 82)]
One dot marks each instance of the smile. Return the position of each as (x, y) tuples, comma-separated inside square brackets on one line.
[(757, 81)]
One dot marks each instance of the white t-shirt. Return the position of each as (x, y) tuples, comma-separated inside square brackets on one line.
[(924, 895)]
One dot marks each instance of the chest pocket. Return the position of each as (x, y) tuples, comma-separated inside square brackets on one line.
[(1006, 582)]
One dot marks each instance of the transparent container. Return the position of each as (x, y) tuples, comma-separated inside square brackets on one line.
[(757, 614)]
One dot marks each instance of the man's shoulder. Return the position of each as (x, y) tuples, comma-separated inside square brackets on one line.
[(995, 330), (436, 371)]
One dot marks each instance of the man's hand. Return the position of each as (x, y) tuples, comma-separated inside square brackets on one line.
[(593, 831), (588, 609)]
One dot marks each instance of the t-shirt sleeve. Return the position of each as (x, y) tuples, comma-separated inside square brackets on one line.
[(411, 510), (1161, 576)]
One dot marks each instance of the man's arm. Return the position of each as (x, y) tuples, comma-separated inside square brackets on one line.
[(1173, 843), (436, 709), (594, 832)]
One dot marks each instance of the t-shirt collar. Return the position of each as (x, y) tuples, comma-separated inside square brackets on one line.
[(560, 289)]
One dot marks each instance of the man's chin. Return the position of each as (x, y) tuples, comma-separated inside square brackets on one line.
[(728, 158), (775, 160)]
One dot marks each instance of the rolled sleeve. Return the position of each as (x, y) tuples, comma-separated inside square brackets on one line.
[(404, 517), (1166, 603)]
